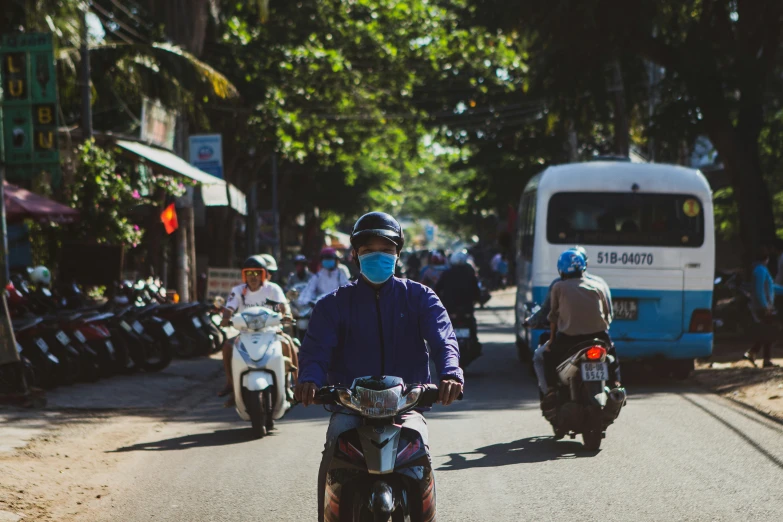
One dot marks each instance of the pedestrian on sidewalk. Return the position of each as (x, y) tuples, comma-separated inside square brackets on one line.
[(767, 328)]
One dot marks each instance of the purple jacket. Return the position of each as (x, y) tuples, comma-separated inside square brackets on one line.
[(344, 340)]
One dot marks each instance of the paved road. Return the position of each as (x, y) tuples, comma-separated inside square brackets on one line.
[(675, 453)]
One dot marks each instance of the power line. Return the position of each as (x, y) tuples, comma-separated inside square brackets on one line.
[(133, 17), (112, 19)]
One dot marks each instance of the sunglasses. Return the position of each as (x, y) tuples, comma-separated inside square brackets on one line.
[(253, 273)]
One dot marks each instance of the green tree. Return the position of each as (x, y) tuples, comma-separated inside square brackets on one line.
[(721, 62)]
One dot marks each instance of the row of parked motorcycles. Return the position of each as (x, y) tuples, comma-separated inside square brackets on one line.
[(63, 337)]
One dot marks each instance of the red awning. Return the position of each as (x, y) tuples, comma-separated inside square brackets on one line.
[(22, 204)]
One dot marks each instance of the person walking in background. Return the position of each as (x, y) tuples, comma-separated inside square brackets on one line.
[(763, 309)]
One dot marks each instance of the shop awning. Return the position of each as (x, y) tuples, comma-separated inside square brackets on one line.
[(215, 191), (22, 204)]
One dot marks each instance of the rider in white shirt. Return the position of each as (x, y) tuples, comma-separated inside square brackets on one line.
[(328, 279), (255, 291)]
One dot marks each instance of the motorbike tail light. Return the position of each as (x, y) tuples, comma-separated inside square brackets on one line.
[(596, 353), (408, 451), (701, 321), (350, 451)]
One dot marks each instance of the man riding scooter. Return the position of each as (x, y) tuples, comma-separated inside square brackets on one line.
[(458, 290), (328, 279), (300, 275), (579, 312), (256, 290), (377, 325)]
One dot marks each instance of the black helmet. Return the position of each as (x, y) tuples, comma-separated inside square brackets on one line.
[(300, 259), (254, 262), (377, 224)]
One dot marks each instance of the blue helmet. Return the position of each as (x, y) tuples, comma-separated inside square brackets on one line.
[(571, 262), (581, 250)]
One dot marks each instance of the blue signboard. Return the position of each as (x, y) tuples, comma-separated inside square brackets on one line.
[(206, 153)]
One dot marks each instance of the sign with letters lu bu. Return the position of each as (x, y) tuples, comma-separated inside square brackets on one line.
[(29, 85)]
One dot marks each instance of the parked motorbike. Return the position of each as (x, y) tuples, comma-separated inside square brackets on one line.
[(731, 304), (258, 369), (46, 365), (380, 471), (584, 403)]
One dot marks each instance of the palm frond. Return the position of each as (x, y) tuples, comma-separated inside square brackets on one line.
[(160, 58)]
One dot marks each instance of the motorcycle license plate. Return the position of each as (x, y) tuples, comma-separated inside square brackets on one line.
[(138, 327), (462, 333), (196, 322), (595, 371), (80, 336), (63, 338), (168, 328)]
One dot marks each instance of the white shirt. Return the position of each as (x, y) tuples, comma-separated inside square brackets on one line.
[(270, 291), (324, 282)]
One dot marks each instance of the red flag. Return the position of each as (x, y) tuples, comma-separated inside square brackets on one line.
[(169, 219)]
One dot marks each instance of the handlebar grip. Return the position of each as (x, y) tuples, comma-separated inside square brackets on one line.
[(325, 396)]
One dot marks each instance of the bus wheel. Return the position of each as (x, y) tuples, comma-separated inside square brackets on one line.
[(681, 369)]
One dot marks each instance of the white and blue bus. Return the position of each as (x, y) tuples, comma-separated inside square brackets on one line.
[(649, 232)]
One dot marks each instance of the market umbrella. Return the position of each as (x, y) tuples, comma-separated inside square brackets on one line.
[(22, 204)]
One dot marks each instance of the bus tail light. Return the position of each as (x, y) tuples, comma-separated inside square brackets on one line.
[(701, 321)]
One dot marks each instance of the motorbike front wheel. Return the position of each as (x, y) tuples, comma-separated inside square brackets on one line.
[(256, 407)]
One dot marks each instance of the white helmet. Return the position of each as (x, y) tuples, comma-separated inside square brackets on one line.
[(459, 258), (271, 264), (41, 276)]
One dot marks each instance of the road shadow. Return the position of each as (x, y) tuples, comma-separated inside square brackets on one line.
[(524, 451), (196, 440)]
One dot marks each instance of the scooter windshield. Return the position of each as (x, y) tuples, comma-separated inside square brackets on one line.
[(256, 318)]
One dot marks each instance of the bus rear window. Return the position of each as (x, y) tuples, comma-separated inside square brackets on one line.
[(625, 219)]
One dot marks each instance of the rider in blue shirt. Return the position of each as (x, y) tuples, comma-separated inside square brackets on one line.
[(377, 325)]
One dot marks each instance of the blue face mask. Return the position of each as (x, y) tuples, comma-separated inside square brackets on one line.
[(378, 267), (328, 263)]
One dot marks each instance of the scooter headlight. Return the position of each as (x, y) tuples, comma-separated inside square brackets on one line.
[(373, 403)]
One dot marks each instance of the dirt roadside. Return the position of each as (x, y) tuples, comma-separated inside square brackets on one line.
[(728, 374), (61, 466)]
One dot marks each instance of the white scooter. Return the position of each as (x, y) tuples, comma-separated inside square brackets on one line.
[(258, 369)]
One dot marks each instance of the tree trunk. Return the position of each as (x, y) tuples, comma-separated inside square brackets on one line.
[(740, 155)]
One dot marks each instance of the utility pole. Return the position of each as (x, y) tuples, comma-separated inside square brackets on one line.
[(85, 77), (252, 219), (275, 209)]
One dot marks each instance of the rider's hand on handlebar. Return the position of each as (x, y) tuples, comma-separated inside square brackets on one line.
[(305, 393), (449, 391)]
